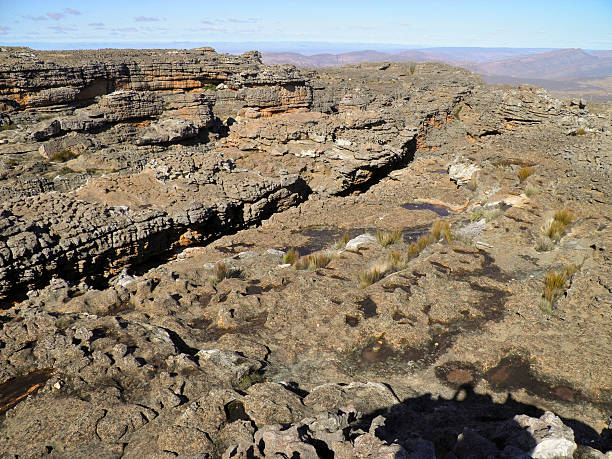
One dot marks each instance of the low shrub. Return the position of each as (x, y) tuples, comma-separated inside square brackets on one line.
[(477, 215), (66, 170)]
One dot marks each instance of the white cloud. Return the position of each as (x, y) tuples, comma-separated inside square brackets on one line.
[(55, 16), (62, 29), (35, 18), (146, 19)]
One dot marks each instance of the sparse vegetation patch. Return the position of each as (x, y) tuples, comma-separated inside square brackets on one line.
[(396, 261), (62, 156)]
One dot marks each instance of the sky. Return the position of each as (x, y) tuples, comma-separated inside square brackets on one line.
[(63, 24)]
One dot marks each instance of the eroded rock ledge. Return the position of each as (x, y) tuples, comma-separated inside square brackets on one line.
[(128, 179)]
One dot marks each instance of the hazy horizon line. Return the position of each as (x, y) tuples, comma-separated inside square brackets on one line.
[(272, 46)]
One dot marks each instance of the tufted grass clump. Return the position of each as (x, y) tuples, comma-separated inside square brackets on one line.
[(564, 216), (222, 271), (371, 275), (395, 260), (530, 191), (291, 257), (477, 215), (341, 243), (387, 238), (441, 228), (8, 127), (525, 172), (313, 261), (556, 284), (556, 227)]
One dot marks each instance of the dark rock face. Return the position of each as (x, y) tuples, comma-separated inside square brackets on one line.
[(148, 200)]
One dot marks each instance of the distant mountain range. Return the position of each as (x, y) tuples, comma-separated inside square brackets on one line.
[(576, 71), (564, 64)]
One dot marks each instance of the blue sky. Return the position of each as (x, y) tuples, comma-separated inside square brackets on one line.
[(491, 23)]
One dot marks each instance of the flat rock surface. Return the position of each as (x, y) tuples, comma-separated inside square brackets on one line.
[(209, 257)]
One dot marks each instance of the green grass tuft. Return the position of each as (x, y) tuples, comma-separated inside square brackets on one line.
[(291, 257)]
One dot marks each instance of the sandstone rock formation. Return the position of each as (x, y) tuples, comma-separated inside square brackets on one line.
[(151, 305)]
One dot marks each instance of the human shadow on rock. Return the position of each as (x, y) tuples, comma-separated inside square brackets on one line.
[(471, 425)]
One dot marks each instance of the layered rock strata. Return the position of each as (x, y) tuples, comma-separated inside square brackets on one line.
[(149, 202)]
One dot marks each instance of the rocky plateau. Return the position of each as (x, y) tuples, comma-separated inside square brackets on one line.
[(205, 256)]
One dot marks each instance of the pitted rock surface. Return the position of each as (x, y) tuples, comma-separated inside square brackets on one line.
[(149, 199)]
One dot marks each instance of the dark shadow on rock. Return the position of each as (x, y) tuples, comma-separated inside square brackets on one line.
[(466, 425)]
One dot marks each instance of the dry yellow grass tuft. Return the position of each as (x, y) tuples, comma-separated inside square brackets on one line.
[(525, 172), (556, 227), (395, 260), (441, 228), (564, 216), (555, 284), (388, 237), (374, 273), (313, 261), (222, 271), (369, 277), (413, 250), (341, 243)]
